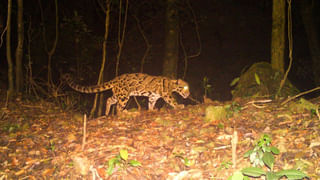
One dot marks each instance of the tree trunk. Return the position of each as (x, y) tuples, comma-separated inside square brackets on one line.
[(9, 58), (54, 46), (104, 57), (19, 50), (278, 34), (307, 10), (170, 62)]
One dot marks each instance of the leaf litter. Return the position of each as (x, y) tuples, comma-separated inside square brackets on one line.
[(41, 141)]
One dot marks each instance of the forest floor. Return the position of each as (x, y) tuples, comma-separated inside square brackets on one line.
[(41, 141)]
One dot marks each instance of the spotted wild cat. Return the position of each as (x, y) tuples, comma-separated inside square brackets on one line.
[(136, 84)]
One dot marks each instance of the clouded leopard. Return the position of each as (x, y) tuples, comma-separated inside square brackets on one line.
[(136, 84)]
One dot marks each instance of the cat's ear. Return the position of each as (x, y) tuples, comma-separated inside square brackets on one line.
[(179, 81), (175, 81)]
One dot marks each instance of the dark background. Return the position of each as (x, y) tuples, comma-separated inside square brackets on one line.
[(234, 34)]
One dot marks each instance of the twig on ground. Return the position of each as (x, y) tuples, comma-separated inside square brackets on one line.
[(253, 103), (234, 142), (298, 95), (84, 131)]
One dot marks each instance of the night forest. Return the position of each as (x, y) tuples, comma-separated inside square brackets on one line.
[(169, 89)]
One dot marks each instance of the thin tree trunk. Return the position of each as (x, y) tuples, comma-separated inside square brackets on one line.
[(54, 45), (312, 36), (278, 35), (104, 55), (9, 57), (170, 62), (53, 49), (121, 33), (19, 50)]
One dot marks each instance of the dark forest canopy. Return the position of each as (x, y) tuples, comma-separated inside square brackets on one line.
[(234, 34)]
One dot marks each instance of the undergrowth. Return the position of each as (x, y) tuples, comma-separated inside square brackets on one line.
[(263, 155)]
